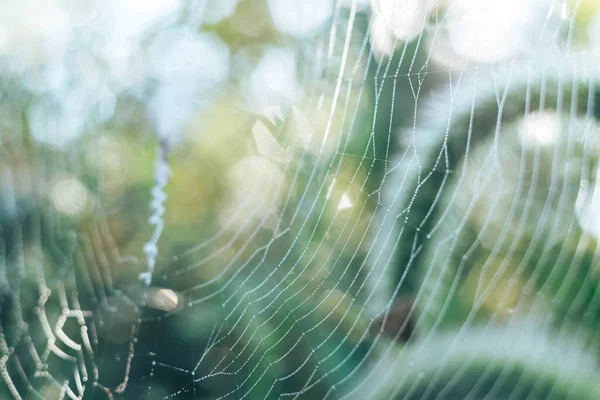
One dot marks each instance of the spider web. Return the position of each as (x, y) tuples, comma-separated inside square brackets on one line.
[(339, 222)]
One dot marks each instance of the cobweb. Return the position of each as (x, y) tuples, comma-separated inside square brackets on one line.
[(304, 200)]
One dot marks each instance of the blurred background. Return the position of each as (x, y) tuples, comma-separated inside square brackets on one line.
[(188, 186)]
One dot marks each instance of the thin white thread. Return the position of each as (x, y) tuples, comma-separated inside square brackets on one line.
[(162, 172)]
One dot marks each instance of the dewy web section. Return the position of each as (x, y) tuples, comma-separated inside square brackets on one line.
[(341, 199)]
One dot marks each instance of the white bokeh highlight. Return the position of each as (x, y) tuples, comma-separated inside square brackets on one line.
[(300, 18), (274, 82)]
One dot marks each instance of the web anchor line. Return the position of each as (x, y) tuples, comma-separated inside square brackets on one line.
[(162, 172)]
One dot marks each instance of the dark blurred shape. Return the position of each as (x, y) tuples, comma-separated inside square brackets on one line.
[(398, 322), (116, 318)]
